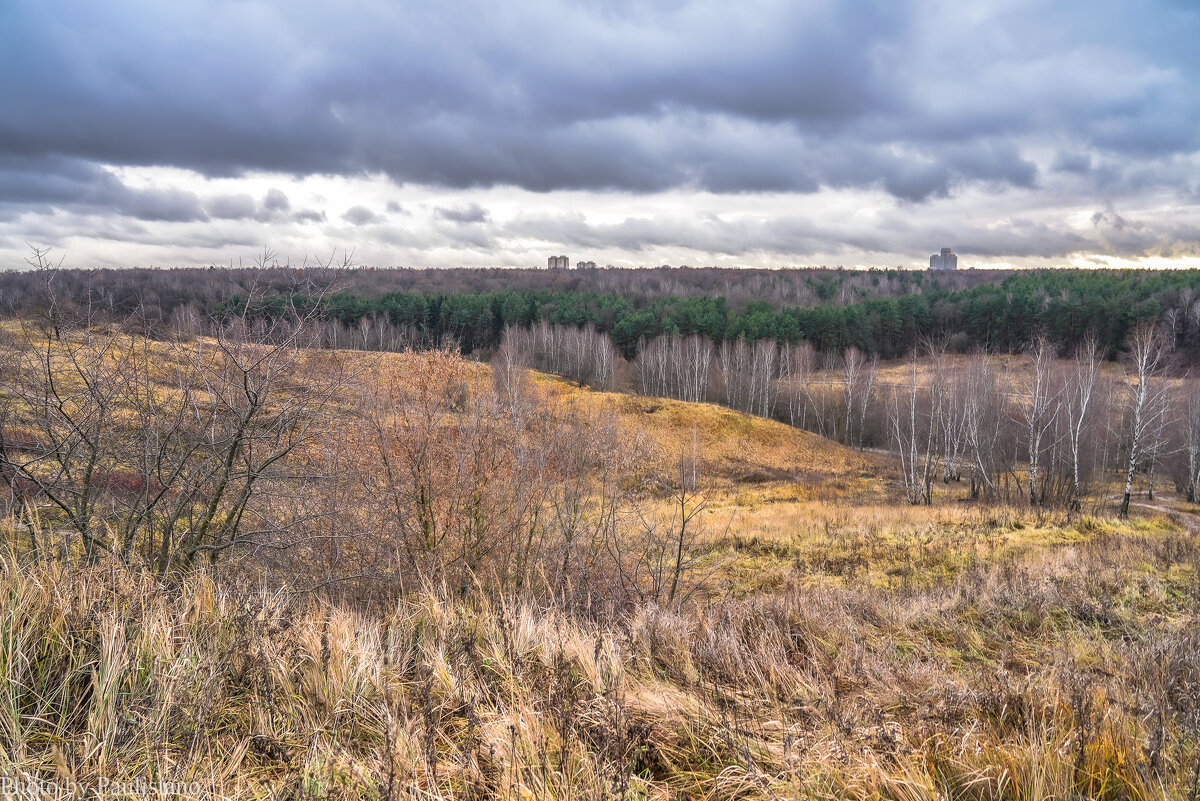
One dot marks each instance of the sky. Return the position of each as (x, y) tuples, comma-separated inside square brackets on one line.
[(762, 133)]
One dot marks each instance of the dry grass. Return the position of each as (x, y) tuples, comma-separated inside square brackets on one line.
[(849, 647), (1076, 676), (768, 539), (737, 450)]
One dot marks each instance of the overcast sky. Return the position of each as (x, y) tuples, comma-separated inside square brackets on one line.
[(760, 132)]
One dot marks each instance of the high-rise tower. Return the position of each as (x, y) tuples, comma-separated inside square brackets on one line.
[(946, 260)]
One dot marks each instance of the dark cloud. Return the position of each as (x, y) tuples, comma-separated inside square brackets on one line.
[(938, 107), (555, 95), (276, 202), (467, 215), (233, 207), (56, 181), (1073, 162), (309, 216), (361, 215)]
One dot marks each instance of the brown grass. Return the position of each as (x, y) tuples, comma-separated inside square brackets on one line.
[(736, 449), (1024, 678), (848, 647)]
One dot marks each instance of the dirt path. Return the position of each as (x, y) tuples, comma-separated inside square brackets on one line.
[(1190, 520)]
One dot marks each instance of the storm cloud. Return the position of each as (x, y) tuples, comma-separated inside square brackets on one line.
[(1055, 105)]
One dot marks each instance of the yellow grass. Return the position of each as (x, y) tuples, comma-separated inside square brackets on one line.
[(736, 450)]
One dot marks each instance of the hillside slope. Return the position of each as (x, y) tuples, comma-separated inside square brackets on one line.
[(735, 449)]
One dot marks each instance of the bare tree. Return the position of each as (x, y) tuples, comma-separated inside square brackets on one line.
[(911, 415), (737, 374), (66, 400), (582, 355), (1081, 386), (749, 373), (605, 360), (254, 407), (858, 376), (795, 372), (984, 414), (695, 360), (1147, 396), (168, 451), (1038, 412), (670, 366), (866, 394), (510, 373), (1190, 420), (47, 270), (587, 503), (657, 561), (952, 425), (1156, 442), (654, 367), (464, 493)]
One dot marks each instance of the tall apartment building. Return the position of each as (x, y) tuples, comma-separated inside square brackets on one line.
[(558, 263), (946, 260)]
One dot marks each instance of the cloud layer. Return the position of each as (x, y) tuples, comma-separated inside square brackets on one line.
[(1012, 122)]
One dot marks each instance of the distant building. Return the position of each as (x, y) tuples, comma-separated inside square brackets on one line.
[(585, 265), (558, 263), (946, 260)]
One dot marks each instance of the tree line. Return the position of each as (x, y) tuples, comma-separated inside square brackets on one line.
[(1066, 307), (878, 312)]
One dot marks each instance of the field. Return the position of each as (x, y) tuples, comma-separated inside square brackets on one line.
[(833, 640)]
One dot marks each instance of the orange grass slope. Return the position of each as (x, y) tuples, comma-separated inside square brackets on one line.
[(736, 450)]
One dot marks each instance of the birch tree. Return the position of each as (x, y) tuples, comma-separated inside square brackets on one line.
[(694, 367), (1081, 386), (749, 375), (1038, 412), (653, 367), (910, 424), (795, 367), (1190, 420), (983, 423), (1146, 394), (858, 375)]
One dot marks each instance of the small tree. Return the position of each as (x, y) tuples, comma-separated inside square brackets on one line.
[(1147, 398), (1081, 386), (858, 376), (911, 416), (1039, 413), (157, 452), (657, 561), (1190, 423)]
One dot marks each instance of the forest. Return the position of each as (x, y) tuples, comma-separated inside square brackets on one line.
[(880, 312)]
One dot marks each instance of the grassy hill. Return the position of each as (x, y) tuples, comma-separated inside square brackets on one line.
[(737, 451)]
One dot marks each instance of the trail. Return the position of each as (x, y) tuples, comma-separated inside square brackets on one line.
[(1190, 520)]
